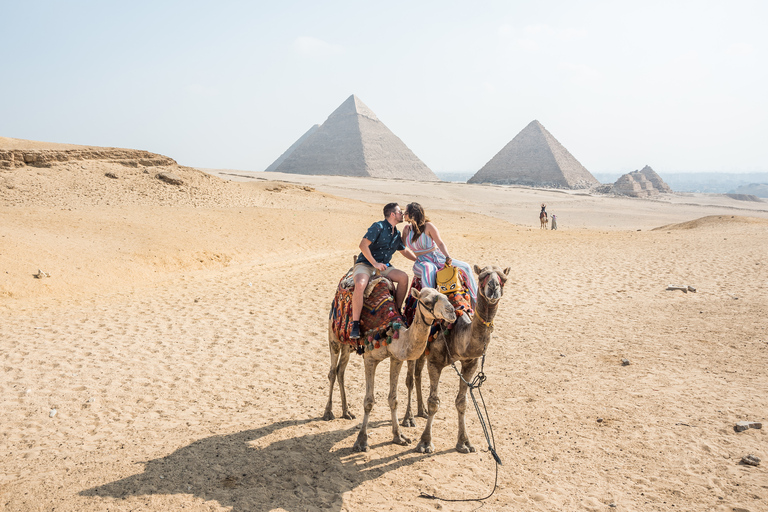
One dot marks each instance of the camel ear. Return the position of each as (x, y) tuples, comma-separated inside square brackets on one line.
[(478, 270), (506, 271), (415, 293)]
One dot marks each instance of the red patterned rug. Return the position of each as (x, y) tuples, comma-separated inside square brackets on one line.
[(379, 321)]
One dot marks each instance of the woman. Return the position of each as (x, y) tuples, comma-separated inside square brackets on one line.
[(422, 237)]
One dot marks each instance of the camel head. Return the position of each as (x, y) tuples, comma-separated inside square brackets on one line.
[(434, 305), (491, 281)]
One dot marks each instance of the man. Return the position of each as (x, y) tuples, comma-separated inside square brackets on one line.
[(377, 247)]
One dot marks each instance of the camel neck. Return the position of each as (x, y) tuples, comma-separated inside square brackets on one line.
[(413, 339), (486, 312)]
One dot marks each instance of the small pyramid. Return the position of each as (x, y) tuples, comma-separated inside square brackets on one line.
[(655, 179), (353, 142), (535, 158), (643, 183)]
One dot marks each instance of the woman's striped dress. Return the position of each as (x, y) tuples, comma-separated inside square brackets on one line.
[(430, 259)]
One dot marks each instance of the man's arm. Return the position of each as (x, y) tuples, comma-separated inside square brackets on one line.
[(408, 254), (365, 248)]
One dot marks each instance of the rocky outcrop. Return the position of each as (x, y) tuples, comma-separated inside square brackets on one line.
[(754, 189), (14, 158), (745, 197)]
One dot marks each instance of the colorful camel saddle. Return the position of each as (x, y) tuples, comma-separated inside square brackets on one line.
[(460, 301), (379, 322)]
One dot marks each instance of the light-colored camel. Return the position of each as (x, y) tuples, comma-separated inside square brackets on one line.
[(466, 343), (409, 344), (544, 220)]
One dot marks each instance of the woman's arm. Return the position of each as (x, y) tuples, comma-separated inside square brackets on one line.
[(432, 231)]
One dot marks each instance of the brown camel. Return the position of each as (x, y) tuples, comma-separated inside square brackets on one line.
[(410, 344), (466, 343), (544, 220)]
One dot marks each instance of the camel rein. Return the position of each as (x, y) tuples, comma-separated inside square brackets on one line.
[(485, 419)]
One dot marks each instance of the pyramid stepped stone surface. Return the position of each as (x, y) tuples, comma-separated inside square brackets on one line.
[(353, 142), (643, 183), (291, 149), (535, 158)]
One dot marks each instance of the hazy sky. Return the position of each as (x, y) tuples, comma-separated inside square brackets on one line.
[(680, 86)]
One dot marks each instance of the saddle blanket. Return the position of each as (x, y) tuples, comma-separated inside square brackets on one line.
[(379, 322)]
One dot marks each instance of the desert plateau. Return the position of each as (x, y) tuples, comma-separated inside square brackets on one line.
[(164, 346)]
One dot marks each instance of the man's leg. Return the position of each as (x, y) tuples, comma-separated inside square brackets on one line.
[(401, 286), (358, 296), (361, 281)]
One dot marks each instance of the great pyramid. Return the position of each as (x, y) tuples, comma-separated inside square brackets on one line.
[(353, 142), (291, 149), (536, 159)]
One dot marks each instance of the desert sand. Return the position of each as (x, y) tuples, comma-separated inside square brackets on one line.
[(175, 356)]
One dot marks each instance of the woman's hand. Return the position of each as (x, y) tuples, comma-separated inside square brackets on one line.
[(448, 261)]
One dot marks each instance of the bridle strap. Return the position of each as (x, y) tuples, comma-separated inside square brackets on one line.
[(487, 324), (431, 312)]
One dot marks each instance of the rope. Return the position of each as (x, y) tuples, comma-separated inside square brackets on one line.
[(478, 381)]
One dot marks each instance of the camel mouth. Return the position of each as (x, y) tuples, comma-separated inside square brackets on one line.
[(492, 291), (493, 301)]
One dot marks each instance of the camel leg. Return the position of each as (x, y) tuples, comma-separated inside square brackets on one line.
[(361, 445), (335, 349), (420, 412), (468, 372), (408, 420), (394, 375), (425, 444), (341, 370)]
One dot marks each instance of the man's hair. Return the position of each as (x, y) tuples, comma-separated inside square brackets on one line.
[(389, 208)]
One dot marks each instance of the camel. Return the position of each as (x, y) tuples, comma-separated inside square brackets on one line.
[(544, 220), (466, 342), (409, 344)]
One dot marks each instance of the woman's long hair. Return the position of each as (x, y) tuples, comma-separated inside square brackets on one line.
[(418, 219)]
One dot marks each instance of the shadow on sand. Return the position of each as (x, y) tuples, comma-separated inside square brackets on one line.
[(248, 472)]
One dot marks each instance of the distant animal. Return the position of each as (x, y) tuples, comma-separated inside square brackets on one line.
[(554, 221), (543, 219)]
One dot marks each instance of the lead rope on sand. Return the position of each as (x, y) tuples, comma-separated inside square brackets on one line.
[(485, 423)]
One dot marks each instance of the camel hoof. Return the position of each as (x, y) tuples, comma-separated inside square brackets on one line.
[(348, 416), (408, 422), (361, 444), (425, 447), (401, 440), (328, 416), (465, 447)]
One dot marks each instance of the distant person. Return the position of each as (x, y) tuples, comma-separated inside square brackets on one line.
[(423, 239), (554, 221), (377, 247), (543, 211)]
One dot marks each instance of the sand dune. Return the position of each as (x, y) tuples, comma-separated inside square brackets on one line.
[(181, 340)]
